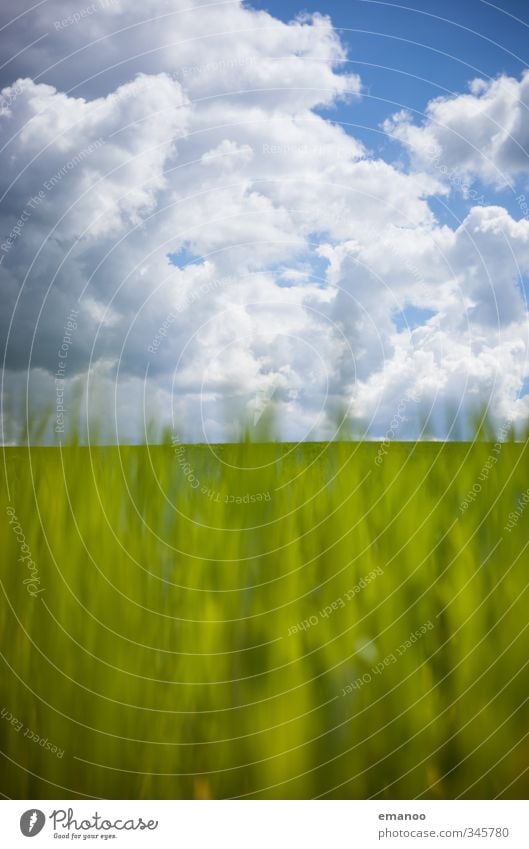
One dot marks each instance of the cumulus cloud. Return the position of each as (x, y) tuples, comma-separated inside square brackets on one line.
[(212, 48), (170, 174), (483, 133)]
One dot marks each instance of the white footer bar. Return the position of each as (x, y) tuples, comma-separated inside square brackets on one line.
[(265, 824)]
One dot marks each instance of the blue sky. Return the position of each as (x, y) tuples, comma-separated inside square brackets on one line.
[(407, 56), (475, 39), (239, 215)]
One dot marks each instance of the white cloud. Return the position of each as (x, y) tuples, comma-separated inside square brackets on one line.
[(483, 133), (211, 48), (293, 249)]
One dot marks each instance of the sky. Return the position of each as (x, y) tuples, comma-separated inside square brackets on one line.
[(211, 210)]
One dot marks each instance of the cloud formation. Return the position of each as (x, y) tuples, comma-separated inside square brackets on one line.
[(483, 133), (174, 176)]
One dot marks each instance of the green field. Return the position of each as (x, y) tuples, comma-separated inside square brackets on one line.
[(266, 621)]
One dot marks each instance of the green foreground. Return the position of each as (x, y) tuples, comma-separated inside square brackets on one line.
[(270, 622)]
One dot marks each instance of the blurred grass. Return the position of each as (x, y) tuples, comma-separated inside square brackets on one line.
[(159, 658)]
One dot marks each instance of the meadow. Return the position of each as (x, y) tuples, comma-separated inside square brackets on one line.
[(265, 620)]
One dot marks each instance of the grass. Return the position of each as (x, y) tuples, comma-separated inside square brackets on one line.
[(185, 640)]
